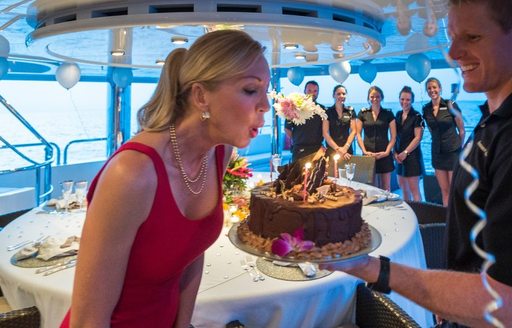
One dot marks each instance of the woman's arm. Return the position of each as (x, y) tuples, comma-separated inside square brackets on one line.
[(460, 126), (189, 286), (360, 142), (327, 135), (418, 134), (122, 201), (392, 131)]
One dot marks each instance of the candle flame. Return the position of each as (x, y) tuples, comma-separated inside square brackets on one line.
[(307, 165)]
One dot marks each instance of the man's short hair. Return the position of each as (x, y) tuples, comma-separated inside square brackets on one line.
[(501, 10)]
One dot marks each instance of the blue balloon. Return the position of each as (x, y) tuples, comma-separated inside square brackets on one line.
[(122, 76), (368, 72), (295, 75), (418, 67), (340, 71), (4, 67)]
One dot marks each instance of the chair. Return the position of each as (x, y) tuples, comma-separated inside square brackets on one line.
[(375, 310), (23, 318), (365, 168), (431, 189), (427, 212), (432, 221)]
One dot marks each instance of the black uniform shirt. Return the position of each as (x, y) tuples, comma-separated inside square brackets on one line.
[(339, 127), (307, 134), (376, 131), (442, 127), (491, 157), (405, 130)]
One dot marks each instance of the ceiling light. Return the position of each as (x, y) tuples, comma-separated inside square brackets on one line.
[(117, 52), (179, 40), (300, 55), (290, 46), (160, 62)]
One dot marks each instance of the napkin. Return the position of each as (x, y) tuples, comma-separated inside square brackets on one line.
[(53, 248), (62, 204)]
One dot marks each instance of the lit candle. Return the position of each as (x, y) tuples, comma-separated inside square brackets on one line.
[(336, 157), (307, 166)]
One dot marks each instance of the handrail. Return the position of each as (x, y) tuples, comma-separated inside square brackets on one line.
[(46, 165), (72, 142), (34, 144)]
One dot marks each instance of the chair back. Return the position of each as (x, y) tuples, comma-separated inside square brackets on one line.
[(374, 309), (365, 168), (432, 235), (428, 212), (22, 318)]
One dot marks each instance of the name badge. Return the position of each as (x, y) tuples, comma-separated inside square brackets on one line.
[(443, 108), (346, 116)]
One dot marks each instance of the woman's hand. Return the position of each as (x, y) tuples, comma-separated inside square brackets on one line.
[(401, 157)]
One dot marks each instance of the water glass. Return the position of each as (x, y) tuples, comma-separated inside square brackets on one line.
[(80, 192), (67, 190), (350, 170), (276, 162)]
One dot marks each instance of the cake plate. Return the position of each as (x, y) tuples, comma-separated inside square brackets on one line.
[(375, 242)]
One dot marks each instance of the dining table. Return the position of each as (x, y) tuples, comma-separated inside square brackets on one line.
[(235, 285)]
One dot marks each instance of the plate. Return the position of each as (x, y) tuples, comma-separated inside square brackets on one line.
[(375, 242), (392, 196), (34, 262)]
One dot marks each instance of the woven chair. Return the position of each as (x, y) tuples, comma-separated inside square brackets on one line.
[(365, 168), (432, 220), (375, 310), (428, 212), (23, 318)]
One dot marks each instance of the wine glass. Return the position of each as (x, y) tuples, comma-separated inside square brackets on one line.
[(342, 174), (80, 192), (276, 162), (350, 170), (67, 189)]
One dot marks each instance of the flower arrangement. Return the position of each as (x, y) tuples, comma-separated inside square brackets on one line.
[(235, 179), (296, 107)]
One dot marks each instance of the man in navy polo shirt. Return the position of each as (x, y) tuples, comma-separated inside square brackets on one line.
[(482, 49)]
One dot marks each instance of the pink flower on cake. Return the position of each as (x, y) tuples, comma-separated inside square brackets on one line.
[(296, 107), (287, 243)]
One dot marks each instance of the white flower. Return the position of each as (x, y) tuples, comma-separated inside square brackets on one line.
[(296, 107)]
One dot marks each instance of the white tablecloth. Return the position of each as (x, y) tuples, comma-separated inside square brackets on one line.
[(227, 292)]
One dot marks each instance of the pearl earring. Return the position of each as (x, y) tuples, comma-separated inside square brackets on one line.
[(205, 116)]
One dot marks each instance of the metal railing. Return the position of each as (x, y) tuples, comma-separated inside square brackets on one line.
[(41, 168), (76, 141)]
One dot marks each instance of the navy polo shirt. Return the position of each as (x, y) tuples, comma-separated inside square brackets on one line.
[(491, 157), (339, 127)]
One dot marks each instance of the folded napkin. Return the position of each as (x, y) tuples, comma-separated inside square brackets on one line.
[(62, 204), (53, 248)]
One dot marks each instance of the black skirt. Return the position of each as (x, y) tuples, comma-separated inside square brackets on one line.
[(384, 165), (445, 161), (412, 166)]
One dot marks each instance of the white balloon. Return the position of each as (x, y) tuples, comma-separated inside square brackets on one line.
[(5, 47), (340, 71), (68, 74)]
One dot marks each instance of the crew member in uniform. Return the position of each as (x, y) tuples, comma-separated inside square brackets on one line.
[(339, 130), (306, 138), (409, 127), (376, 122), (444, 121)]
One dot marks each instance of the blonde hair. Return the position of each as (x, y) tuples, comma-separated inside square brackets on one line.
[(212, 59)]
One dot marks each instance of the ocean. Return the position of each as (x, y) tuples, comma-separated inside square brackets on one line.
[(84, 118)]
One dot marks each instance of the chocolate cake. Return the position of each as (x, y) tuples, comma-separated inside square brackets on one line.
[(328, 214)]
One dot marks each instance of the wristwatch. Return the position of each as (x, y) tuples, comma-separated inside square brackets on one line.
[(382, 283), (406, 153)]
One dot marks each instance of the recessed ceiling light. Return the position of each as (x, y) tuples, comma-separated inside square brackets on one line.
[(300, 55), (290, 46), (117, 52), (160, 62), (179, 40)]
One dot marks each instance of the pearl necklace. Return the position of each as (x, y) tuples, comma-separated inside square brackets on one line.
[(202, 171)]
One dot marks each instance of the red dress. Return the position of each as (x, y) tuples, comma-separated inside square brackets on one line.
[(165, 244)]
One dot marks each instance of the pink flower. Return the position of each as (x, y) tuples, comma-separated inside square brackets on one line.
[(287, 243)]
